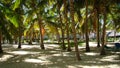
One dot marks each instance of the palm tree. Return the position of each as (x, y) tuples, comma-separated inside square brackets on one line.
[(1, 51), (17, 11), (96, 14), (37, 10), (86, 28), (104, 29), (106, 10), (67, 25), (114, 12), (41, 34), (73, 29), (5, 22), (20, 30), (20, 26), (62, 28)]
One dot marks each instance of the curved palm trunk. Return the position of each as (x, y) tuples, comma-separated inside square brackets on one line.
[(41, 34), (74, 31), (62, 30), (67, 26), (103, 35), (86, 29), (1, 51)]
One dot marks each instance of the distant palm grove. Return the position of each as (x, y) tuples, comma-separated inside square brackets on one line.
[(63, 21)]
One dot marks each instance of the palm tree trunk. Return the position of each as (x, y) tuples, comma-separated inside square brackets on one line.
[(114, 35), (57, 35), (86, 29), (30, 38), (103, 34), (67, 26), (62, 30), (97, 8), (68, 40), (19, 38), (97, 22), (1, 51), (74, 31), (41, 34), (98, 34), (63, 40)]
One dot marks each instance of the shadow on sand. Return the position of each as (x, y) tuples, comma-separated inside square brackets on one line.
[(31, 56)]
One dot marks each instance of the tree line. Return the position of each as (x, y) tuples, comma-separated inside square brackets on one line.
[(59, 17)]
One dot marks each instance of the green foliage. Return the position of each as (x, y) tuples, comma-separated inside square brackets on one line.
[(16, 4), (26, 12), (4, 30), (10, 15), (14, 20)]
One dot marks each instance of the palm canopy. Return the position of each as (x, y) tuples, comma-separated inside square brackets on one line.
[(14, 10)]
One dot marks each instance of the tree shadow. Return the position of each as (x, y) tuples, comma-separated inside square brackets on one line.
[(34, 57)]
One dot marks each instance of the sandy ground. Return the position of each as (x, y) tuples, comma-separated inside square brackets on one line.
[(31, 56)]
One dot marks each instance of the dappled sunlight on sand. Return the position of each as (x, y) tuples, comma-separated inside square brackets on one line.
[(70, 66), (94, 66), (32, 56), (5, 57), (40, 59), (47, 46), (56, 54), (22, 52), (27, 46), (35, 61), (111, 58), (43, 57), (91, 53)]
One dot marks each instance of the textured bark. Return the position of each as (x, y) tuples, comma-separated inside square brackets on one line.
[(98, 34), (1, 51), (19, 38), (86, 29), (41, 34), (73, 29), (67, 25), (97, 22), (57, 35), (62, 30), (96, 11), (103, 33)]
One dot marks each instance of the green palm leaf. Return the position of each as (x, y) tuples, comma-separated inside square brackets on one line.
[(10, 15), (16, 4)]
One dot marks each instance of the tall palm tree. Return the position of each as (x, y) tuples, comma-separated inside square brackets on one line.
[(96, 14), (62, 28), (17, 9), (37, 8), (41, 34), (86, 28), (67, 24), (1, 51), (73, 29), (20, 27), (104, 29), (5, 24)]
